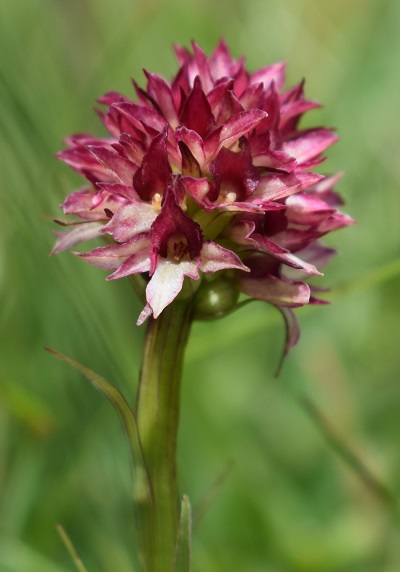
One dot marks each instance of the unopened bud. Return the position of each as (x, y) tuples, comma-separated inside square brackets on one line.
[(215, 298)]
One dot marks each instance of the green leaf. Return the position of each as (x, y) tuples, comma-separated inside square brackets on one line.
[(142, 486), (183, 545), (71, 549)]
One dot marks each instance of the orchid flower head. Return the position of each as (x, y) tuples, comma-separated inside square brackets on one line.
[(207, 177)]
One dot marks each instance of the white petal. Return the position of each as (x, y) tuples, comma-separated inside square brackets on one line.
[(167, 281), (76, 235), (276, 291), (113, 256), (130, 220), (214, 257)]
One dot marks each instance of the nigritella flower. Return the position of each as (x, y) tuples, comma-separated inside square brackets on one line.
[(205, 180)]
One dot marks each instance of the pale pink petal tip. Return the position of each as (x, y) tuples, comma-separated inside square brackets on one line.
[(144, 315)]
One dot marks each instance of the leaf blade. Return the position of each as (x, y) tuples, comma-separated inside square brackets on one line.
[(142, 485), (347, 454)]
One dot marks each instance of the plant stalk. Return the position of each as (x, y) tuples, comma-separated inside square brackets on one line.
[(157, 415)]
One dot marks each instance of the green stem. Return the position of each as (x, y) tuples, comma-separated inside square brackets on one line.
[(157, 417)]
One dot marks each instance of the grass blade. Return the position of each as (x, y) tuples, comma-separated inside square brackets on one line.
[(350, 457), (142, 485), (71, 549), (212, 493)]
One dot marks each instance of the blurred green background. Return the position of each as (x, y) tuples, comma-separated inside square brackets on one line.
[(305, 490)]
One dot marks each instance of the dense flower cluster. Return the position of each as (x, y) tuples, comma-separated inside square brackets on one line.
[(207, 174)]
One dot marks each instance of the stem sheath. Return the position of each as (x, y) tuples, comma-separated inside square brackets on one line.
[(157, 415)]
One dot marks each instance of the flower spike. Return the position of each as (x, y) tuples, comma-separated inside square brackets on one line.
[(207, 174)]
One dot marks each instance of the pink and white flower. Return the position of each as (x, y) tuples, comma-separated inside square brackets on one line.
[(207, 173)]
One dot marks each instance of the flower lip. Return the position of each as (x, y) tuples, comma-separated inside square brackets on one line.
[(178, 247), (174, 235)]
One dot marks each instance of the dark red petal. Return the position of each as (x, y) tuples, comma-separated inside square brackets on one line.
[(154, 176), (272, 107), (160, 91), (142, 95), (241, 78), (125, 191), (119, 167), (203, 67), (282, 254), (180, 88), (291, 112), (294, 239), (309, 144), (273, 187), (311, 164), (221, 62), (82, 161), (253, 97), (230, 105), (194, 143), (274, 222), (141, 117), (229, 133), (111, 97), (182, 54), (271, 74), (112, 122), (133, 148), (83, 139), (265, 156), (275, 161), (334, 222), (304, 209), (196, 113), (324, 190), (293, 105), (221, 87), (241, 124), (190, 167), (262, 265), (234, 172)]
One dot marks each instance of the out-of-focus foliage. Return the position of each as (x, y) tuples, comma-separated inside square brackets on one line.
[(307, 490)]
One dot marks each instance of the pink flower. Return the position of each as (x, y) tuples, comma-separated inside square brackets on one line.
[(208, 173)]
